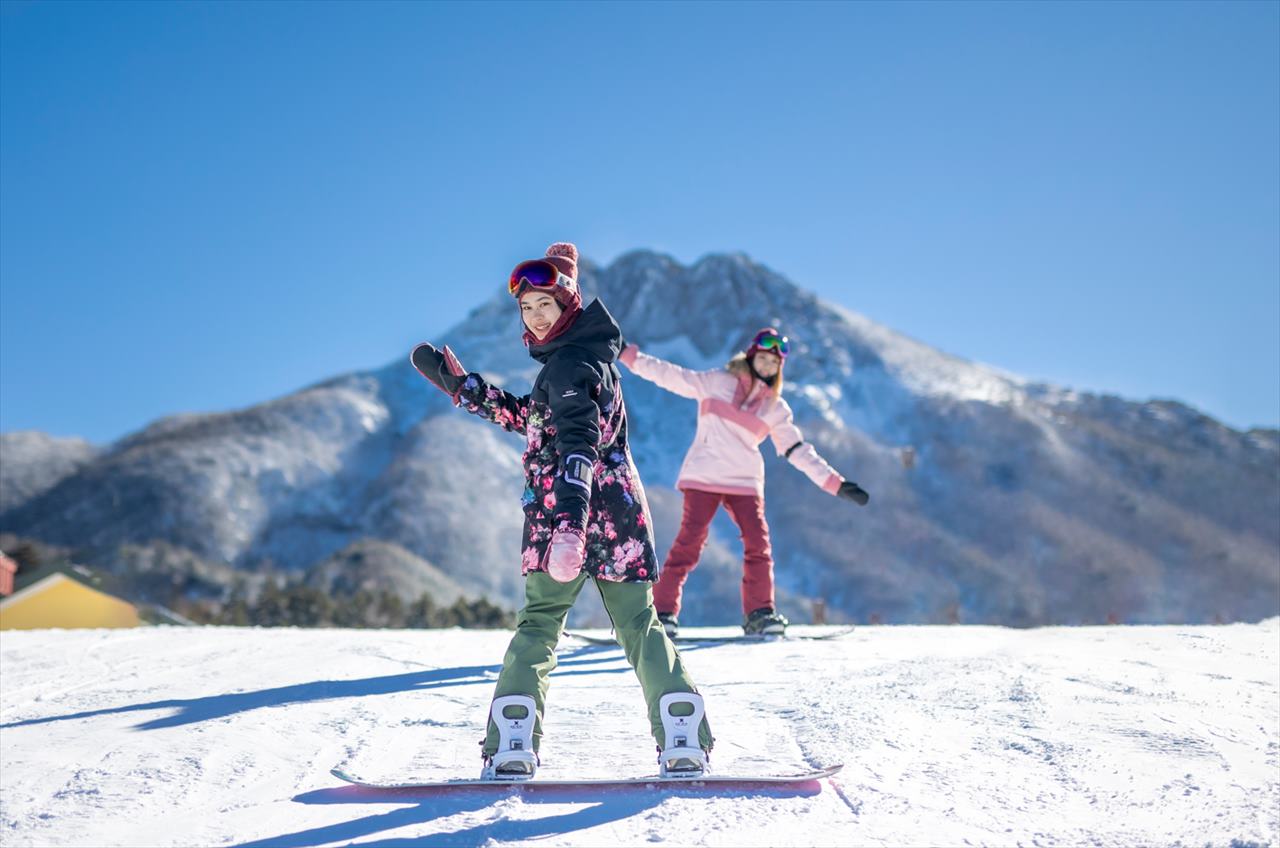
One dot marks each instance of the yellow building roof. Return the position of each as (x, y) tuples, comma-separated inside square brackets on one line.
[(61, 601)]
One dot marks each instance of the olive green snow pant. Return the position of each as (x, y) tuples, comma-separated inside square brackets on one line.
[(531, 655)]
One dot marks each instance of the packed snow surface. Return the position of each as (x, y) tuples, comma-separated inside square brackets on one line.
[(948, 735)]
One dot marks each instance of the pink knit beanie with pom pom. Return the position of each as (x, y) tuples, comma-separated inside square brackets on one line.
[(564, 256)]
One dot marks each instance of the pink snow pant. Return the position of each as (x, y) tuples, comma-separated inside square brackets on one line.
[(747, 511)]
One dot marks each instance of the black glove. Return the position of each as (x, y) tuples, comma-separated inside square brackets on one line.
[(440, 367), (851, 491)]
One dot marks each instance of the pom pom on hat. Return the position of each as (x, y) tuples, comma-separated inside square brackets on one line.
[(564, 255), (566, 249)]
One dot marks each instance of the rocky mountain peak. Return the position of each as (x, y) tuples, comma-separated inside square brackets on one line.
[(993, 499)]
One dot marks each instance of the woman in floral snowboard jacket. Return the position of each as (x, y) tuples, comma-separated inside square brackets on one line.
[(575, 409), (585, 514)]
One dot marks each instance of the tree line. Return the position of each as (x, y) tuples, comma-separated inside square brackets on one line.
[(299, 605), (172, 583)]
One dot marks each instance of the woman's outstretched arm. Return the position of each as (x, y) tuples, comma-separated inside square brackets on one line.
[(674, 378), (470, 391), (790, 444)]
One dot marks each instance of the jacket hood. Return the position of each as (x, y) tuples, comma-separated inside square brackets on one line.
[(595, 331)]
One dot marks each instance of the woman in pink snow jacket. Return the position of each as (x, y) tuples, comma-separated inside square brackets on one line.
[(737, 408)]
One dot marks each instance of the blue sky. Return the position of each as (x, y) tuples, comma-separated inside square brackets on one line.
[(204, 206)]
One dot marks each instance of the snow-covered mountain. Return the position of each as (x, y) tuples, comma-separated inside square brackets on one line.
[(31, 463), (993, 499)]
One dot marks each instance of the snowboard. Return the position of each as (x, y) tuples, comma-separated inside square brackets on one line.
[(709, 779), (739, 637)]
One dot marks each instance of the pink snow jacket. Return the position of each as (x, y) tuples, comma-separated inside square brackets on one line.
[(735, 414)]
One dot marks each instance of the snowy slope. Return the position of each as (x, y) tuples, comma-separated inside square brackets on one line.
[(950, 736)]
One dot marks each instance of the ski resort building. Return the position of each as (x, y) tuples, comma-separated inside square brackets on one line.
[(64, 597)]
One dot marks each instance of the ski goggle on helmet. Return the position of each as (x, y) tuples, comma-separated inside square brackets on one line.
[(538, 274), (771, 341)]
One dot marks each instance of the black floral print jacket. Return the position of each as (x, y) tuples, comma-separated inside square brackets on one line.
[(578, 471)]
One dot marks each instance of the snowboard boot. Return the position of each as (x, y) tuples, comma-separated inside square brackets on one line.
[(764, 622), (669, 624), (515, 758), (680, 755)]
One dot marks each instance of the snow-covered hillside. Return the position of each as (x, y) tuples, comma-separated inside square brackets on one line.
[(949, 736), (1020, 504), (34, 462)]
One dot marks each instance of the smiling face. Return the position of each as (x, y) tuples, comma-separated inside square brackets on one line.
[(766, 363), (539, 311)]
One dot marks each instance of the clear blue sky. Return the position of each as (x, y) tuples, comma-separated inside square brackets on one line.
[(204, 206)]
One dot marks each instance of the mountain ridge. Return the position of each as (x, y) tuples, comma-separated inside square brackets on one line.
[(995, 498)]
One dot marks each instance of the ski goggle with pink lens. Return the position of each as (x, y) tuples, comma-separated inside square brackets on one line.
[(538, 274), (766, 340)]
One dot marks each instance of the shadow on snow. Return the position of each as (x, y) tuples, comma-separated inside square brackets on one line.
[(193, 710), (598, 807)]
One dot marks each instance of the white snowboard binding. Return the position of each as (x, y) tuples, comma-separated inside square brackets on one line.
[(681, 755), (514, 760)]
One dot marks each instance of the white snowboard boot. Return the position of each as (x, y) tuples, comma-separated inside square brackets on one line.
[(514, 760), (681, 755)]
